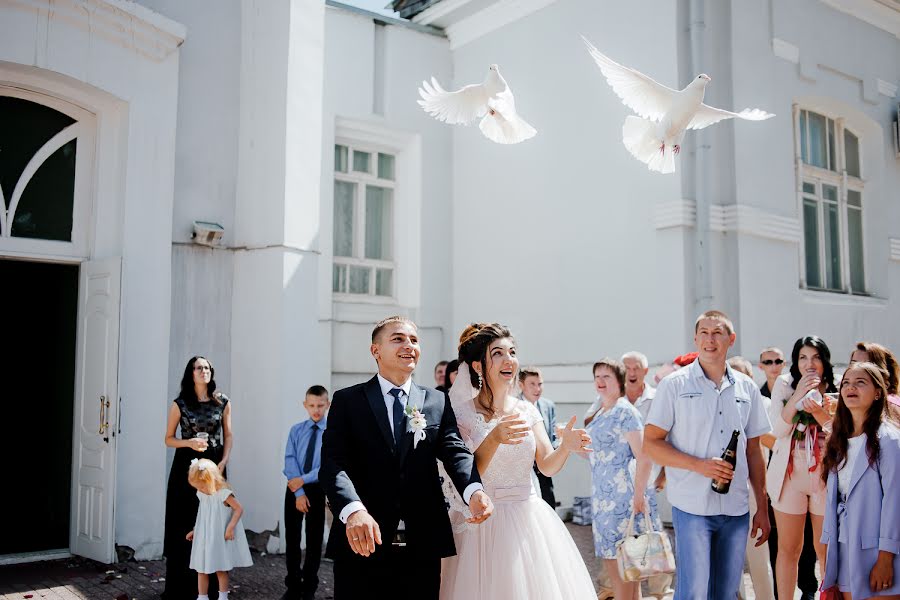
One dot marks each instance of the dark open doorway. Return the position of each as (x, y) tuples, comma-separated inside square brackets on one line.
[(39, 306)]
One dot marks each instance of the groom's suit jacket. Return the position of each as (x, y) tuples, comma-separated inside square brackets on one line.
[(360, 463)]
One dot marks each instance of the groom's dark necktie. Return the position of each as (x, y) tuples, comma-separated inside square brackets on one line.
[(399, 420), (311, 449)]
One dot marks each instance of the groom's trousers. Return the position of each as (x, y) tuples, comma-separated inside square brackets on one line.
[(399, 573)]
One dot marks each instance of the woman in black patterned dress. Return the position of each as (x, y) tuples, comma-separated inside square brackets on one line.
[(199, 408)]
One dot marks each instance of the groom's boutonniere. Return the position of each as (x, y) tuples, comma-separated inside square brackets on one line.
[(417, 422)]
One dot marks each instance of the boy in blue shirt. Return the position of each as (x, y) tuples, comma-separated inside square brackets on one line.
[(304, 497)]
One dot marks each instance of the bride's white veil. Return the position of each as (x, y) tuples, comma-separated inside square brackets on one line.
[(461, 395)]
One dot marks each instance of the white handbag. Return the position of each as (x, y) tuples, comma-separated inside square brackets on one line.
[(642, 556)]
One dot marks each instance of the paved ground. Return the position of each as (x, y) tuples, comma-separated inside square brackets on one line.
[(78, 578)]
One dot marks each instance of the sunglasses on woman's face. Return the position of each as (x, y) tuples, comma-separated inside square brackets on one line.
[(770, 361)]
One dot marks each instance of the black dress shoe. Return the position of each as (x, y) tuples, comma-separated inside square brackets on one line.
[(808, 596)]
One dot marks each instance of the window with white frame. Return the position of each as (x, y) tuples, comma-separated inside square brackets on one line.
[(832, 204), (363, 218)]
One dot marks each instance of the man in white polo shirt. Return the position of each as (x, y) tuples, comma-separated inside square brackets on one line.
[(691, 421)]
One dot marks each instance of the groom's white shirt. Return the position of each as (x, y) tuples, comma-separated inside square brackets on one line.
[(386, 387)]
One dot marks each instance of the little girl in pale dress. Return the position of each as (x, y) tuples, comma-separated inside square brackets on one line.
[(219, 542)]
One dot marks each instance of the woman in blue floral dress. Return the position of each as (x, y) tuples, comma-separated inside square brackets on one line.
[(616, 431)]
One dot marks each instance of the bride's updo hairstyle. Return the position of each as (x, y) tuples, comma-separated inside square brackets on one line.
[(474, 342)]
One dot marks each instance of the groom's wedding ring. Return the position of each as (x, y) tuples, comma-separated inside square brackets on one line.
[(355, 539)]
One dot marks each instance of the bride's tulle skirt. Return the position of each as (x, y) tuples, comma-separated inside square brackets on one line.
[(522, 552)]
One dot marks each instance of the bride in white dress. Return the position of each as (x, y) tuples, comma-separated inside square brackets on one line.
[(523, 551)]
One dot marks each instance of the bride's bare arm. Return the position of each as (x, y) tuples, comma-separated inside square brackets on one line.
[(551, 461)]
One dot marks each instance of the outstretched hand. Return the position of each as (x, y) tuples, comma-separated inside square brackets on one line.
[(363, 533), (574, 440), (481, 507)]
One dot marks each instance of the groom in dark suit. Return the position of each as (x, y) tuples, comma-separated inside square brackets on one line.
[(392, 526)]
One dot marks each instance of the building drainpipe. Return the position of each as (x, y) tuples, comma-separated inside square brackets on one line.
[(702, 277)]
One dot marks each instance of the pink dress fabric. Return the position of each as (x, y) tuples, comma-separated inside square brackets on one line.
[(523, 551)]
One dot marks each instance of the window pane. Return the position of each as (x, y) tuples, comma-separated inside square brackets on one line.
[(851, 153), (832, 248), (385, 166), (378, 222), (811, 244), (340, 158), (45, 208), (344, 192), (361, 161), (359, 280), (855, 235), (832, 159), (854, 198), (809, 188), (383, 281), (803, 153), (339, 278), (830, 193), (25, 126), (817, 140)]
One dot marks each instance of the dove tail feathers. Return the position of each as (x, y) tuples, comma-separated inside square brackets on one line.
[(639, 136), (506, 131)]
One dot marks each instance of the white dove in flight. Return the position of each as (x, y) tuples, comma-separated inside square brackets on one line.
[(492, 99), (655, 138)]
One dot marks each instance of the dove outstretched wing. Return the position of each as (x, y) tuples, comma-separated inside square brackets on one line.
[(638, 92), (708, 115), (460, 106)]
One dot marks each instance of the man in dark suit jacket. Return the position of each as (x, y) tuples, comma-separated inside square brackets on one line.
[(392, 526)]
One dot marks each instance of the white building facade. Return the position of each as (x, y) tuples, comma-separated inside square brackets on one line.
[(293, 124)]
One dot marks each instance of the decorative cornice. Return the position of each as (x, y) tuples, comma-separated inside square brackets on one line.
[(873, 12), (748, 220), (493, 17), (886, 88), (679, 213), (786, 50), (895, 248), (122, 22)]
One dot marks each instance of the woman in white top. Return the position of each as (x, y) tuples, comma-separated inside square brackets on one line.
[(862, 466), (794, 478)]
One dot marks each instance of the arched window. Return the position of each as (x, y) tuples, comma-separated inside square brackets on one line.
[(45, 155)]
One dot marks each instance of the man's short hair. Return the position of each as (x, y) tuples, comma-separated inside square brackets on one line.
[(741, 365), (638, 356), (443, 363), (770, 349), (385, 322), (529, 372), (317, 390), (716, 315)]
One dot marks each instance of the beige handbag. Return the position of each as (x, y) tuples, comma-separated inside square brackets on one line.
[(641, 556)]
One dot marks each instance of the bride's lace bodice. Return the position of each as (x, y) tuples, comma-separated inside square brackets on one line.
[(511, 465)]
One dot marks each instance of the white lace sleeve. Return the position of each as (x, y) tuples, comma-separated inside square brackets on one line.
[(461, 395)]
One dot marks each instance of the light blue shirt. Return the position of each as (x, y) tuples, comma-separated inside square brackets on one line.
[(700, 420), (295, 453)]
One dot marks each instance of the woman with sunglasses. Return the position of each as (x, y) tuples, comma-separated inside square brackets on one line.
[(204, 416), (862, 516), (794, 478)]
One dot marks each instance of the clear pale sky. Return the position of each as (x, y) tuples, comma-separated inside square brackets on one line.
[(377, 6)]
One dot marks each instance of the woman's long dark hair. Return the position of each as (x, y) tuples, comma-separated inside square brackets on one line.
[(452, 367), (187, 393), (473, 347), (819, 345), (842, 426)]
